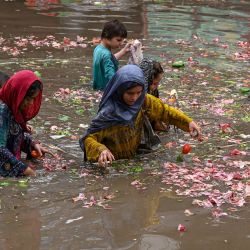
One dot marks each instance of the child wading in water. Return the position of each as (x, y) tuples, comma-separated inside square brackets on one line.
[(105, 64), (153, 73), (20, 101), (116, 131)]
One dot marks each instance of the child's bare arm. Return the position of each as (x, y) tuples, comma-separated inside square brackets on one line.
[(123, 51)]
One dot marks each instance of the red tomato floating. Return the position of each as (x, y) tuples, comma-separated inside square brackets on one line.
[(35, 154), (186, 149)]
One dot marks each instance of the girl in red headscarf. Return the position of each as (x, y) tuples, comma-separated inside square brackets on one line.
[(20, 101)]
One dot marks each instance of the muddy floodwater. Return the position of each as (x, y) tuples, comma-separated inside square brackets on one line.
[(139, 203)]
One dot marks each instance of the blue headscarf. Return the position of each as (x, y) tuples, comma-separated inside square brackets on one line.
[(112, 109)]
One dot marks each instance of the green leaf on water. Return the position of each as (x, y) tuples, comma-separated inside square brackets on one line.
[(63, 118), (230, 82), (5, 184), (99, 4), (24, 181), (22, 185), (79, 111), (76, 101), (38, 74), (179, 158), (246, 118), (137, 169), (178, 64), (64, 132), (74, 171), (175, 76), (245, 90)]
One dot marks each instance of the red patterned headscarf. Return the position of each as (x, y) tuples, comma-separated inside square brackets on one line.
[(14, 91)]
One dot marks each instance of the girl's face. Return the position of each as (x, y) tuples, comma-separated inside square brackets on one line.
[(28, 101), (156, 82), (131, 95)]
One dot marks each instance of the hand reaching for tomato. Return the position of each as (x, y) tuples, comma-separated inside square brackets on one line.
[(195, 131), (35, 154), (39, 151)]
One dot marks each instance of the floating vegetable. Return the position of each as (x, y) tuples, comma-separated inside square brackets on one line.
[(38, 74), (245, 90), (35, 154), (178, 64), (186, 149), (23, 183), (5, 184)]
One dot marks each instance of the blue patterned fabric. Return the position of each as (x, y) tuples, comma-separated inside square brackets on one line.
[(12, 142)]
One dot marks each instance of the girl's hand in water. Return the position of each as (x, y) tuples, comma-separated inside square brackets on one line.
[(195, 131), (29, 172), (42, 151), (105, 158)]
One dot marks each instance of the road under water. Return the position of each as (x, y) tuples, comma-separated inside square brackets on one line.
[(40, 214)]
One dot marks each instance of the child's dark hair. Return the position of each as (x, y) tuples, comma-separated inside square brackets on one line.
[(36, 86), (114, 29), (157, 69)]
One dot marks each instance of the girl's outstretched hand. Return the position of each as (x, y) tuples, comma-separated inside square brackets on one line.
[(42, 150), (195, 131), (105, 158)]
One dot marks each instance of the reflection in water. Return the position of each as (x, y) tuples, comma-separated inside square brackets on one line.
[(42, 4), (87, 16), (19, 225), (158, 242), (182, 22), (127, 220), (130, 219)]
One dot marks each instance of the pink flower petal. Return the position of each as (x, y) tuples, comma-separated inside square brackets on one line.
[(181, 228), (237, 152), (187, 212)]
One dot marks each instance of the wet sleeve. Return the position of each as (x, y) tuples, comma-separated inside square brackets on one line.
[(93, 146), (6, 157), (27, 143), (109, 67), (158, 111), (4, 128)]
